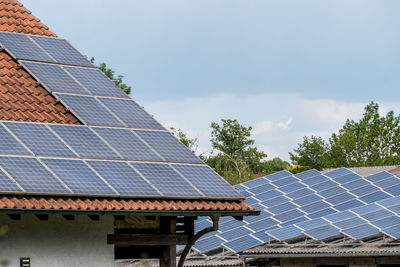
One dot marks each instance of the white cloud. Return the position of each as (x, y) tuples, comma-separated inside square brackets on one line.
[(279, 120)]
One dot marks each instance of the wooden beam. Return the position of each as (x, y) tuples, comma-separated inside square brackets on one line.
[(69, 217), (15, 217), (43, 217), (147, 239)]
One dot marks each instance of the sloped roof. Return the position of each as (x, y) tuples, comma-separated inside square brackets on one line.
[(14, 17), (336, 205), (24, 98)]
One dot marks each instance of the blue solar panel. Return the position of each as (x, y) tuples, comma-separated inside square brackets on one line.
[(307, 200), (123, 178), (78, 177), (285, 181), (165, 179), (263, 215), (255, 183), (235, 233), (54, 78), (262, 224), (295, 220), (347, 178), (348, 205), (262, 189), (374, 196), (387, 222), (337, 199), (379, 176), (393, 231), (316, 206), (131, 113), (323, 232), (321, 213), (252, 200), (209, 243), (7, 185), (307, 174), (365, 190), (300, 193), (246, 193), (39, 139), (289, 215), (349, 223), (377, 215), (262, 236), (275, 201), (31, 175), (388, 182), (285, 233), (168, 146), (361, 231), (389, 202), (324, 186), (311, 224), (356, 184), (282, 208), (10, 145), (395, 209), (89, 110), (61, 50), (242, 243), (337, 172), (84, 142), (333, 191), (292, 187), (366, 209), (127, 144), (96, 82), (207, 180), (231, 224), (394, 190), (21, 47), (339, 216), (315, 180), (278, 175), (269, 194)]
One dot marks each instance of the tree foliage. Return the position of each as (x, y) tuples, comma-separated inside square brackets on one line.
[(192, 144), (110, 73), (374, 140)]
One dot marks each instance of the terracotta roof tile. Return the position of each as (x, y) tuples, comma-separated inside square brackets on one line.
[(117, 204), (22, 100), (14, 17)]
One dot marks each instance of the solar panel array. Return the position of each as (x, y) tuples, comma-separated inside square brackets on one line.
[(313, 205), (56, 158)]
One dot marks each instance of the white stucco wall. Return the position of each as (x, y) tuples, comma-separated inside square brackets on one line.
[(58, 242)]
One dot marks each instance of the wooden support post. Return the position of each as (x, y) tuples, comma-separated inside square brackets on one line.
[(168, 257)]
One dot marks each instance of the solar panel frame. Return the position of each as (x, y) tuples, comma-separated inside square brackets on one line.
[(20, 46), (79, 177), (163, 177), (32, 176), (89, 110), (123, 178), (40, 139), (168, 146), (61, 50), (127, 144), (84, 142), (53, 78), (95, 82), (129, 112), (10, 145)]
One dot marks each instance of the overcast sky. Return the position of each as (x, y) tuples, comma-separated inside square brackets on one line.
[(288, 68)]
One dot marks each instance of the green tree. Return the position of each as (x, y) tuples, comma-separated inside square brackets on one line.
[(273, 165), (234, 157), (311, 153), (372, 141), (192, 144), (110, 73)]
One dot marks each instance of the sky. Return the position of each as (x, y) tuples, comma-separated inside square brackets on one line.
[(288, 68)]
